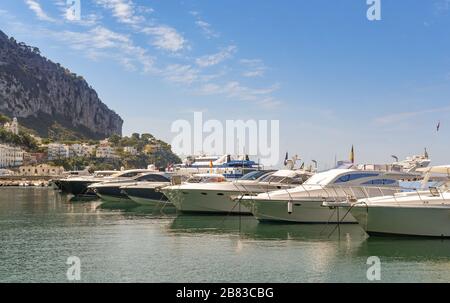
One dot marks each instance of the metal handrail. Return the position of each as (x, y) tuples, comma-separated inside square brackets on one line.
[(337, 193)]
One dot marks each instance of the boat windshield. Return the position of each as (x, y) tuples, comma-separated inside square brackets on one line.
[(284, 180), (255, 175), (318, 179)]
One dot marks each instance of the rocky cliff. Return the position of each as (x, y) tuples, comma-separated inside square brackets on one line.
[(42, 94)]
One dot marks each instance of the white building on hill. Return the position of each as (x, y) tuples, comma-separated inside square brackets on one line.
[(57, 151), (12, 127), (10, 156), (105, 152), (130, 150), (81, 150)]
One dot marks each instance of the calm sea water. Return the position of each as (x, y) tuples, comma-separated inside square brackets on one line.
[(40, 229)]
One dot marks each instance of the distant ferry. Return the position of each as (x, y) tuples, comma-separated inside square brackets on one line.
[(231, 167)]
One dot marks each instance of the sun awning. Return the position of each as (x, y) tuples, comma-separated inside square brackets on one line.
[(442, 169)]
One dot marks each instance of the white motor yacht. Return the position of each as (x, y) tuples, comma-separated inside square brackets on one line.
[(424, 212), (78, 184), (215, 196), (303, 204)]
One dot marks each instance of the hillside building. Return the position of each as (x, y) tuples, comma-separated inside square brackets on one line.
[(10, 156)]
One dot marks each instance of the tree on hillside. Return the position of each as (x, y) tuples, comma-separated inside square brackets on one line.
[(114, 139)]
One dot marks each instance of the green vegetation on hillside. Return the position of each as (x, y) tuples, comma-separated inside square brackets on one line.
[(4, 119), (23, 139)]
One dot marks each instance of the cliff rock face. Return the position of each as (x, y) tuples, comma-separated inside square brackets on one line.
[(41, 93)]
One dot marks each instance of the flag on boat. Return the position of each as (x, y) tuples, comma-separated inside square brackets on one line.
[(352, 155)]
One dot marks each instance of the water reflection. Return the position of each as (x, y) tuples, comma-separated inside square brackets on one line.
[(39, 228), (132, 207), (405, 248), (249, 228)]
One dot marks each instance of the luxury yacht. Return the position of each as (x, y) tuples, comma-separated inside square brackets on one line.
[(111, 190), (422, 212), (147, 192), (303, 204), (232, 167), (215, 196), (414, 163), (77, 185)]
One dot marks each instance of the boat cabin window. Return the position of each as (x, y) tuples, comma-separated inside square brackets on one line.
[(275, 179), (351, 177), (103, 174), (299, 179), (380, 182), (130, 174), (152, 178)]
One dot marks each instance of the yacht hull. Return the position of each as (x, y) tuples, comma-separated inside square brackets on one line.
[(111, 194), (404, 221), (75, 188), (147, 196), (305, 211), (201, 201)]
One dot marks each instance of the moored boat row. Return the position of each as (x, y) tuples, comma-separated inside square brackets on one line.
[(372, 195), (422, 212)]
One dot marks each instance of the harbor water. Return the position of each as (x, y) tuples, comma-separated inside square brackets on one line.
[(40, 229)]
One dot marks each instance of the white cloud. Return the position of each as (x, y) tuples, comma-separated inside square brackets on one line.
[(236, 90), (254, 68), (35, 6), (102, 42), (166, 38), (127, 12), (179, 73), (398, 117), (207, 29), (89, 19), (123, 10), (214, 59)]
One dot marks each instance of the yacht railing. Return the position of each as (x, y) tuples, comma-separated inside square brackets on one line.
[(422, 194), (332, 193)]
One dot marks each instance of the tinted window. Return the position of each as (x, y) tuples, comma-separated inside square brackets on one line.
[(254, 175), (380, 182), (351, 177), (153, 178), (128, 175)]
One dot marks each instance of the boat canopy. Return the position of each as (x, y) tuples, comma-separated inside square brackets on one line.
[(442, 169), (287, 173)]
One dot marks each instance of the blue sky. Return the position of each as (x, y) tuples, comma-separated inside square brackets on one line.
[(329, 75)]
